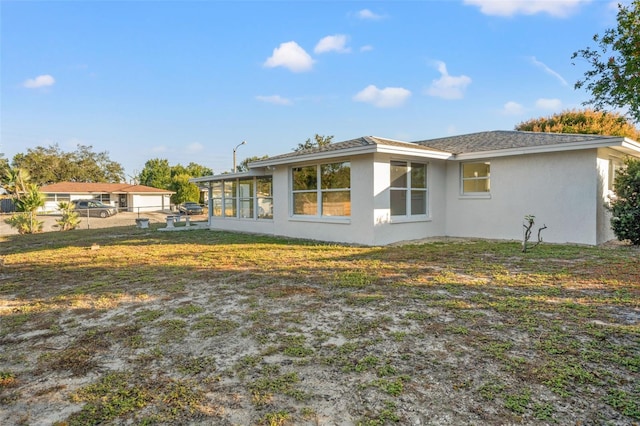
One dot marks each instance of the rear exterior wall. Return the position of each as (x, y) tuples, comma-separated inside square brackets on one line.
[(559, 189)]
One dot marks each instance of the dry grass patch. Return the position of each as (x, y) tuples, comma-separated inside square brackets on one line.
[(211, 327)]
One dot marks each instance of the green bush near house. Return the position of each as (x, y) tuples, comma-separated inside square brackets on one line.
[(625, 207)]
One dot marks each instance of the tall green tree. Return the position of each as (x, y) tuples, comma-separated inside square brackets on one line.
[(50, 164), (614, 75), (625, 207), (318, 141), (198, 170), (156, 173), (584, 122), (4, 167), (244, 164), (96, 167), (192, 169), (184, 190), (159, 174)]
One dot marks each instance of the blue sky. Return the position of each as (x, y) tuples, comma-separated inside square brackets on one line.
[(190, 80)]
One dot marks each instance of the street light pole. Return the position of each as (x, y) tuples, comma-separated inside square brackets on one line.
[(234, 155)]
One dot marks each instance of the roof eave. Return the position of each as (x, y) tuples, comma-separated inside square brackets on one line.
[(254, 172), (572, 146), (347, 152), (319, 155), (428, 153), (631, 147)]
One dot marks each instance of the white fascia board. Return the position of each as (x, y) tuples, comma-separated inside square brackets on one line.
[(227, 176), (425, 153), (323, 155), (574, 146), (347, 152), (630, 147)]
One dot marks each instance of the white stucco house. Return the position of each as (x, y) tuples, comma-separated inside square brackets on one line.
[(376, 191), (124, 196)]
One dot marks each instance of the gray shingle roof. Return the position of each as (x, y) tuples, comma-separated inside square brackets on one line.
[(352, 143), (504, 139), (470, 143)]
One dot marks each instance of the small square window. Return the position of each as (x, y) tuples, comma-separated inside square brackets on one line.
[(476, 178)]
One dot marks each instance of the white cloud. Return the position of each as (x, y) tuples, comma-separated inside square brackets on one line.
[(274, 99), (333, 43), (550, 104), (389, 97), (557, 8), (512, 108), (366, 14), (290, 55), (366, 48), (40, 81), (548, 70), (195, 147), (447, 86)]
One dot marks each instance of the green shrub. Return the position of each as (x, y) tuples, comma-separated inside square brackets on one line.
[(25, 223), (625, 207), (70, 218)]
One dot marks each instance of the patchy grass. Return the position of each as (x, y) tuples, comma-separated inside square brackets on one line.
[(210, 327)]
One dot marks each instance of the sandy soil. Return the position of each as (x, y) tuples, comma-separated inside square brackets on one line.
[(121, 219)]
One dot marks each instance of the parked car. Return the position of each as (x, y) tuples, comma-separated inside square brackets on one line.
[(94, 208), (190, 208)]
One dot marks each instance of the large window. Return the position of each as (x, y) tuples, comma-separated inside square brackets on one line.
[(322, 190), (230, 197), (408, 189), (245, 198), (476, 178), (216, 199), (57, 197), (305, 190), (264, 190), (615, 165), (242, 198)]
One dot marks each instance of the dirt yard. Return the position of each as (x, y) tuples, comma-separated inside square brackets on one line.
[(214, 328), (121, 219)]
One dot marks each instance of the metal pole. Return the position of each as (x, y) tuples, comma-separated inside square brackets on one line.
[(234, 155), (210, 203)]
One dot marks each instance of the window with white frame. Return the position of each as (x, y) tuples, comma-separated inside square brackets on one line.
[(242, 198), (216, 199), (264, 196), (615, 164), (322, 189), (408, 190), (476, 178), (230, 197), (245, 198)]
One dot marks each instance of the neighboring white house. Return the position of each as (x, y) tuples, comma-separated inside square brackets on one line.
[(124, 196), (376, 191)]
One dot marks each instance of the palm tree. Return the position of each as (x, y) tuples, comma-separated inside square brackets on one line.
[(26, 221), (16, 180), (70, 218)]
